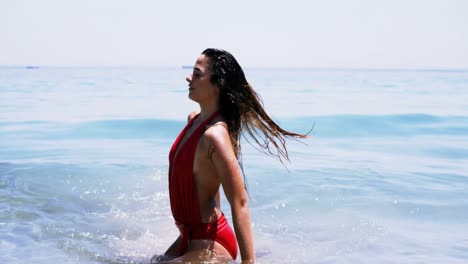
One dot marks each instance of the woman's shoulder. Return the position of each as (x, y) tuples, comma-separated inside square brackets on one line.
[(217, 139), (217, 132)]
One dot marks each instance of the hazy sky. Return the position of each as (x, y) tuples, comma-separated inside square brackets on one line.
[(292, 33)]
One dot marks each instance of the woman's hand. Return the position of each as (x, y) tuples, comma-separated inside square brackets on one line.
[(158, 258)]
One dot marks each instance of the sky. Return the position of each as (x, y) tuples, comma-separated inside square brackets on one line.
[(423, 34)]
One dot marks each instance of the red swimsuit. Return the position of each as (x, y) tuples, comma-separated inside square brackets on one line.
[(184, 199)]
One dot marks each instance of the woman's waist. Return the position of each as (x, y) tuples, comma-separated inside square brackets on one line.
[(200, 229), (194, 213)]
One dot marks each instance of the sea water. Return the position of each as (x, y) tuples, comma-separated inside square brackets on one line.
[(383, 177)]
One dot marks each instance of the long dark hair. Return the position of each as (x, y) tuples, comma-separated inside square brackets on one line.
[(242, 107)]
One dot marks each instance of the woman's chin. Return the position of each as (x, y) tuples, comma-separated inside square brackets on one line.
[(192, 97)]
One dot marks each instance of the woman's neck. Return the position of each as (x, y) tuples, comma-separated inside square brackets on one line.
[(206, 110)]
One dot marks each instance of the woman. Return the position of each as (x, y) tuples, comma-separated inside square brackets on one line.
[(205, 156)]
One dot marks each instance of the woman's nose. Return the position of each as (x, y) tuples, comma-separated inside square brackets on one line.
[(188, 78)]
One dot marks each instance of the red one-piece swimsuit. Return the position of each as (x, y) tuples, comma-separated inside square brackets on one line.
[(184, 199)]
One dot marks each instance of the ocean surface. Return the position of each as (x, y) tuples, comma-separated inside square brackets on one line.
[(382, 179)]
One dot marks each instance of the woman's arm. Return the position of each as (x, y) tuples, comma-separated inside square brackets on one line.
[(227, 168)]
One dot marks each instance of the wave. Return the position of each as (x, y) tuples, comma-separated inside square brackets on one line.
[(322, 126), (379, 125), (111, 129)]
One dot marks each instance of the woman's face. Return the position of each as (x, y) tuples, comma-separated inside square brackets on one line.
[(201, 90)]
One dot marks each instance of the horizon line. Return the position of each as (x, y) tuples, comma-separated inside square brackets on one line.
[(187, 67)]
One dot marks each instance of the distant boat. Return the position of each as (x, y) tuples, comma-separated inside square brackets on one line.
[(32, 67), (187, 67)]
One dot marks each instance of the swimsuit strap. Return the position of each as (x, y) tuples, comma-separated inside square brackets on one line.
[(175, 147), (208, 120)]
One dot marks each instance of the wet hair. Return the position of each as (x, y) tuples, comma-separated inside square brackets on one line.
[(242, 107)]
